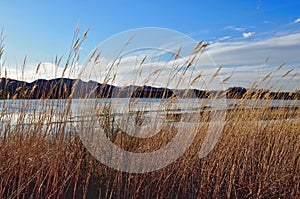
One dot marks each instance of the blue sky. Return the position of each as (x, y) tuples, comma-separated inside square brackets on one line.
[(43, 29)]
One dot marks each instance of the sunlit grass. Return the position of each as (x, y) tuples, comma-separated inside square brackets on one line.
[(42, 156)]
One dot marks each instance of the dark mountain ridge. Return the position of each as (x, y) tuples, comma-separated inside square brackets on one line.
[(63, 88)]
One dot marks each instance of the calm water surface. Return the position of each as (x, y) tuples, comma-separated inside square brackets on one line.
[(12, 109)]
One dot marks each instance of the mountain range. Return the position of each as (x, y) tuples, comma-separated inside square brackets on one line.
[(63, 88)]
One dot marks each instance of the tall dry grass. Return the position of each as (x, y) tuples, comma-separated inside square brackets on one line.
[(40, 158)]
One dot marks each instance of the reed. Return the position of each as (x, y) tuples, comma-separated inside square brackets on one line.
[(42, 157)]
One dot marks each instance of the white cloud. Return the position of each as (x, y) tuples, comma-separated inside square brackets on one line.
[(297, 20), (248, 34), (46, 70), (281, 49), (245, 59), (238, 29), (224, 38)]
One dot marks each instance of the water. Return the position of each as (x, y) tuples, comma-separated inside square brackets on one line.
[(53, 110)]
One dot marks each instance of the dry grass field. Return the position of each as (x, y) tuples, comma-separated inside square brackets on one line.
[(252, 159)]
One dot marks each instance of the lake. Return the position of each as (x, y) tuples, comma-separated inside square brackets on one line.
[(54, 110)]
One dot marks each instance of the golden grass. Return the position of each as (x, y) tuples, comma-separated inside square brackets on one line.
[(252, 159)]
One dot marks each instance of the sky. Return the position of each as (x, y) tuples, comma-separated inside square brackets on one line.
[(241, 34)]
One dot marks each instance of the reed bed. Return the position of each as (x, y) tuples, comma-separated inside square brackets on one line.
[(251, 159), (45, 158)]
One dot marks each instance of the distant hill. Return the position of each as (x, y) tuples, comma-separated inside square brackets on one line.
[(63, 88)]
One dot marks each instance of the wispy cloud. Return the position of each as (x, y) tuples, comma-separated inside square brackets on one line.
[(224, 38), (248, 34), (268, 22), (281, 49), (238, 29), (45, 70), (297, 20), (245, 59)]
